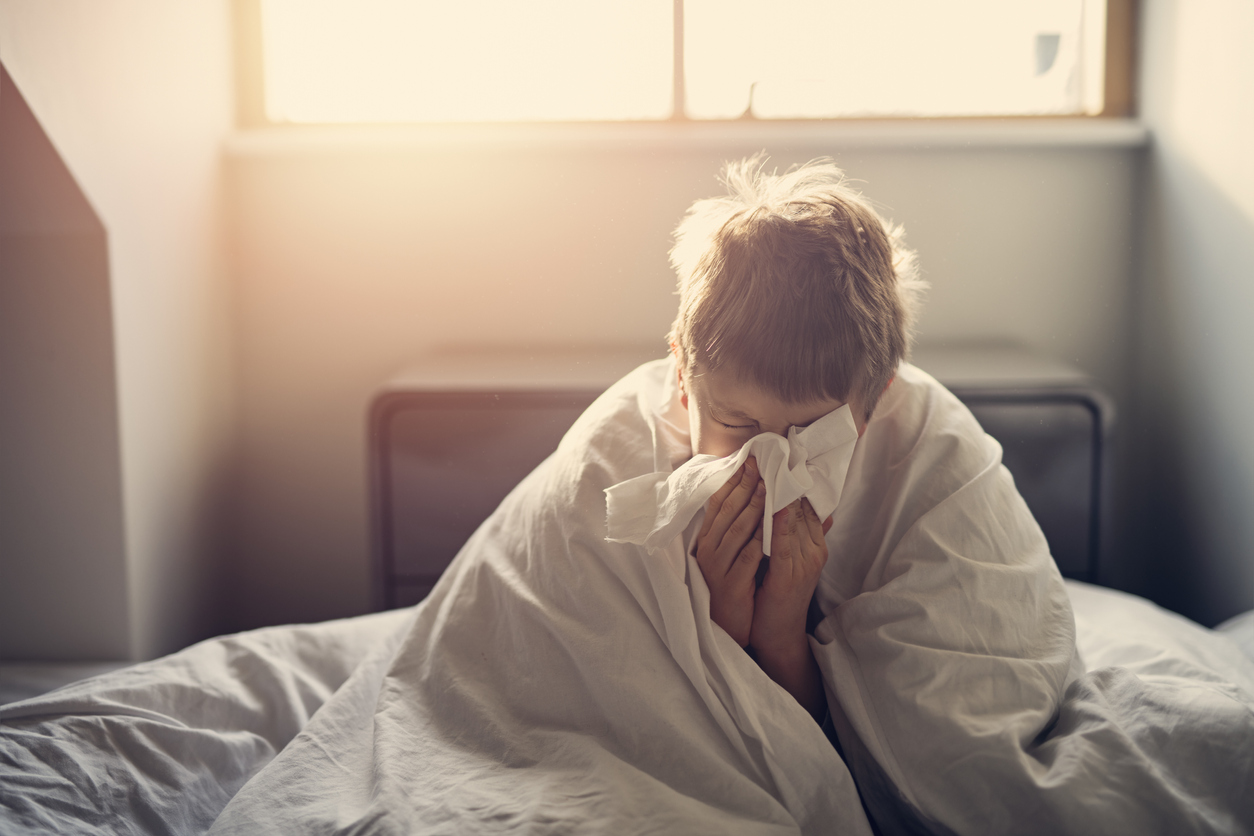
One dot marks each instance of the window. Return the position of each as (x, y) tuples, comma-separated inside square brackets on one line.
[(405, 61), (466, 61), (807, 59)]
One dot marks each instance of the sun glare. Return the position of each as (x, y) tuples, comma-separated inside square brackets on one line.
[(566, 60), (469, 61), (823, 58)]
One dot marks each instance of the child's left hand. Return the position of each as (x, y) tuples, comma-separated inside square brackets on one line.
[(778, 633), (798, 555)]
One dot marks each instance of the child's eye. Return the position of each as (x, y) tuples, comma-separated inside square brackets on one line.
[(750, 426)]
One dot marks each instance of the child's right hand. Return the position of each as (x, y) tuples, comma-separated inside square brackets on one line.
[(729, 549)]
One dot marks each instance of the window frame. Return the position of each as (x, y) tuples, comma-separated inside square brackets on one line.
[(1119, 95)]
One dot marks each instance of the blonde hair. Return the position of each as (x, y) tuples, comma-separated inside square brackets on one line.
[(794, 282)]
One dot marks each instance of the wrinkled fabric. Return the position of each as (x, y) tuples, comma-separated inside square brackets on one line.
[(162, 746), (948, 648), (554, 681)]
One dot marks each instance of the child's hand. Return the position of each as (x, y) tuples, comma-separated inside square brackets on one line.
[(729, 549), (778, 634), (798, 555)]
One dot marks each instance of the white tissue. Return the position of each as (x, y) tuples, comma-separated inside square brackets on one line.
[(653, 509)]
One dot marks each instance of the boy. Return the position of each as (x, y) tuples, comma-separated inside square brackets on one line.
[(946, 638), (580, 666), (803, 263)]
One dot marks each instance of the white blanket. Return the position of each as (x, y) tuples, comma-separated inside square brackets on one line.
[(949, 651), (555, 682)]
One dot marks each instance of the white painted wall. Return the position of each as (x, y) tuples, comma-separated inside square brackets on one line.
[(61, 532), (355, 255), (352, 257), (136, 95), (1195, 292)]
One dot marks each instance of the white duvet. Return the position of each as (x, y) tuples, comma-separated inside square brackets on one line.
[(556, 682)]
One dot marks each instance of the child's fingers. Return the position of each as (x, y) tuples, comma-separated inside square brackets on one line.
[(816, 548), (742, 529), (716, 501), (813, 527), (745, 566), (783, 535), (802, 546), (827, 525), (739, 497)]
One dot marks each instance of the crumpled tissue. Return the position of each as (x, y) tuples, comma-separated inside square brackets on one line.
[(653, 509)]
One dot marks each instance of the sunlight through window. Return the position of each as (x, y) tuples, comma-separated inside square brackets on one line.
[(782, 59), (332, 61), (468, 61)]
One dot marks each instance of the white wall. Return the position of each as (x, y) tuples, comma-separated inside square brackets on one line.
[(351, 257), (355, 255), (1195, 293), (61, 532), (136, 96)]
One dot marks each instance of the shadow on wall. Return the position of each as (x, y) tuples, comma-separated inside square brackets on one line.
[(1191, 523), (62, 543)]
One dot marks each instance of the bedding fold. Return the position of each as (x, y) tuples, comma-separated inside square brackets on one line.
[(949, 650), (162, 746)]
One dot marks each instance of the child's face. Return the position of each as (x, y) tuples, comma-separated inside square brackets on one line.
[(724, 412)]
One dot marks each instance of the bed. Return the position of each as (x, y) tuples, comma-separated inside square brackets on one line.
[(168, 745)]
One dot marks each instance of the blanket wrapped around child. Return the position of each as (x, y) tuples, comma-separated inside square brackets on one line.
[(555, 681)]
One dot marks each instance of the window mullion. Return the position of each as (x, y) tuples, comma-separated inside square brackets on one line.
[(679, 111)]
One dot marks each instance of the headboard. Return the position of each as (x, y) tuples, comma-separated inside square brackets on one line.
[(450, 437)]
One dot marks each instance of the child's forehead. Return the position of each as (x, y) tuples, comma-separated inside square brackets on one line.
[(727, 387)]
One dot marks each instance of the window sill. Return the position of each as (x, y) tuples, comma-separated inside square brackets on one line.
[(897, 134)]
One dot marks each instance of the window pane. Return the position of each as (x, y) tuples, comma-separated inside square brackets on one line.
[(467, 61), (781, 59)]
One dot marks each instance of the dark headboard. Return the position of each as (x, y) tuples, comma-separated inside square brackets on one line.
[(451, 437)]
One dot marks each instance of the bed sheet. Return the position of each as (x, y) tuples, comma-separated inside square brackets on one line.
[(24, 680), (161, 747), (1240, 630), (1116, 629)]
